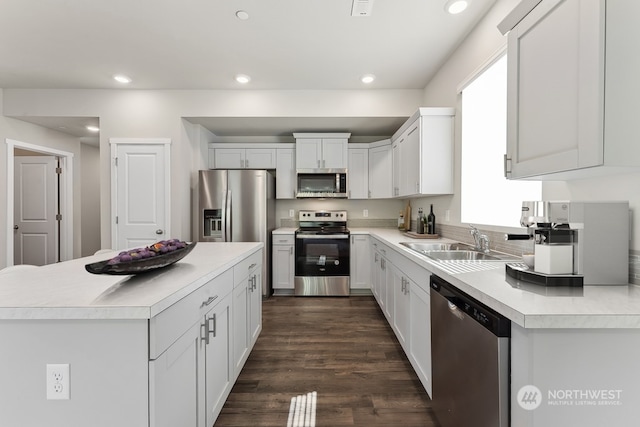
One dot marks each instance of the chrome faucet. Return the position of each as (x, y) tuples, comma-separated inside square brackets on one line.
[(481, 241)]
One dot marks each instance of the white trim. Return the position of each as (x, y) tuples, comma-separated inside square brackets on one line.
[(114, 142), (499, 53), (66, 196), (157, 141)]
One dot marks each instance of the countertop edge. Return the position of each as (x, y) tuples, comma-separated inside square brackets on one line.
[(539, 320)]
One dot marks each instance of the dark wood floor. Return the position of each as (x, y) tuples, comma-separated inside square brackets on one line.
[(344, 349)]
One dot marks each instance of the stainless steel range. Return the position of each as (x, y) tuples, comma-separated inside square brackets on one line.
[(322, 254)]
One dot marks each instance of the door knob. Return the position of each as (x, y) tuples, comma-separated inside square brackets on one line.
[(15, 227), (159, 231)]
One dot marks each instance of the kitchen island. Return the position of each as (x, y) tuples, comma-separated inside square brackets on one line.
[(157, 349)]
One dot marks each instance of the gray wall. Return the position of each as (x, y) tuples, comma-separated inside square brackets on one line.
[(90, 199), (26, 132), (147, 114)]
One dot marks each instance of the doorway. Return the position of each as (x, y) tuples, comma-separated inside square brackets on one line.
[(65, 198)]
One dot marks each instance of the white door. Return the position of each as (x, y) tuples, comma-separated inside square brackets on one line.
[(35, 208), (142, 194)]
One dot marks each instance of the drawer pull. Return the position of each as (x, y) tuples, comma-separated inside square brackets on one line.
[(252, 266), (208, 301)]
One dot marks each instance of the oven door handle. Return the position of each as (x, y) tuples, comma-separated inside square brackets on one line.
[(322, 236)]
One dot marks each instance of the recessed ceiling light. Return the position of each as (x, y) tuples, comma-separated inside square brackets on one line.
[(367, 78), (242, 15), (456, 6), (243, 78), (121, 78), (92, 128)]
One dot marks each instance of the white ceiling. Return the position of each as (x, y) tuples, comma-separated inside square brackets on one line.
[(200, 44)]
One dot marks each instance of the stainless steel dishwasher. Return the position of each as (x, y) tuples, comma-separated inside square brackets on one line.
[(470, 359)]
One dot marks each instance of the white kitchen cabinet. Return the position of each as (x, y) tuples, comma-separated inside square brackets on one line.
[(321, 151), (358, 173), (285, 173), (395, 165), (404, 285), (422, 154), (283, 263), (241, 157), (359, 262), (255, 307), (247, 308), (218, 369), (388, 293), (174, 384), (190, 379), (380, 171), (375, 272), (420, 334), (401, 296), (380, 274), (573, 90)]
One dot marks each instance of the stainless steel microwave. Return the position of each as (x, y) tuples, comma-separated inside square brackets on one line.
[(319, 185)]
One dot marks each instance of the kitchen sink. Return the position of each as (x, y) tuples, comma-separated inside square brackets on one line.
[(429, 247), (456, 252)]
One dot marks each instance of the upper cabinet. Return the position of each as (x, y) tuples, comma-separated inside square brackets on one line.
[(422, 154), (358, 172), (286, 172), (573, 90), (380, 170), (321, 150), (229, 156)]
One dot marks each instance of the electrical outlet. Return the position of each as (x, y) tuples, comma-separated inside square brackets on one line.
[(365, 213), (447, 215), (291, 213), (58, 381)]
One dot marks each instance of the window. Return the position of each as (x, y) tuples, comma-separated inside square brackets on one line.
[(487, 197)]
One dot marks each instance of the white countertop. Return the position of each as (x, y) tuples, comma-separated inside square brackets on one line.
[(67, 291), (527, 305)]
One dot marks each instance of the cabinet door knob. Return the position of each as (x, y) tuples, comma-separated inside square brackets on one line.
[(159, 231), (15, 227)]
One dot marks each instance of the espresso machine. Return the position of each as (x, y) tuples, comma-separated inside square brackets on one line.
[(575, 243)]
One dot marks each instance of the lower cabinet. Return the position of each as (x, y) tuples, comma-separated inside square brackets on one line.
[(216, 355), (174, 384), (282, 270), (401, 297), (360, 276), (401, 288), (420, 334), (247, 308), (189, 382), (192, 371)]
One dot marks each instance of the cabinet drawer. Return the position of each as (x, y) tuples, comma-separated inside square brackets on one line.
[(283, 239), (169, 325), (242, 269)]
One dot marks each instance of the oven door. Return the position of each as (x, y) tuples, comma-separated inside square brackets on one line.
[(322, 255)]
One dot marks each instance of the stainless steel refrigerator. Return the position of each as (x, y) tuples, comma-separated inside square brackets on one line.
[(238, 206)]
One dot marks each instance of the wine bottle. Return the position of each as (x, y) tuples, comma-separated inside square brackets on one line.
[(431, 222)]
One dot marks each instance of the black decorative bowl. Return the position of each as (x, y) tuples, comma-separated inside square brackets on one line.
[(140, 265)]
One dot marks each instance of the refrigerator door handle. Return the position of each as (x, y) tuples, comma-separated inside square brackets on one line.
[(227, 218)]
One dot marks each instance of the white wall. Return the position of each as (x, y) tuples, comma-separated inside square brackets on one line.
[(441, 91), (33, 134), (142, 113)]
